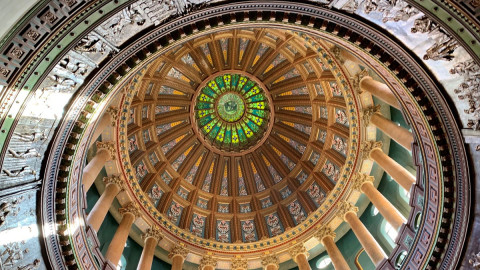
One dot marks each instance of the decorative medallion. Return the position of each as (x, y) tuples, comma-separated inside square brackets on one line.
[(232, 111)]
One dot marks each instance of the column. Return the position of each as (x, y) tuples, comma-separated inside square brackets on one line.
[(115, 249), (105, 152), (404, 178), (239, 263), (208, 262), (376, 88), (151, 237), (299, 254), (326, 236), (178, 254), (347, 212), (108, 118), (113, 185), (270, 262), (399, 134), (364, 183)]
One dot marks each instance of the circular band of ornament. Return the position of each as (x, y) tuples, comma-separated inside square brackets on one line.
[(232, 113)]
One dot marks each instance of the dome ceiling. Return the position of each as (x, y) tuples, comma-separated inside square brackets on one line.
[(238, 136)]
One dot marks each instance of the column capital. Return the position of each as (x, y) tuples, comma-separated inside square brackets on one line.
[(114, 179), (153, 232), (108, 146), (207, 260), (113, 112), (369, 112), (296, 250), (336, 51), (324, 231), (357, 78), (180, 250), (368, 146), (359, 179), (270, 259), (239, 262), (130, 208), (344, 207)]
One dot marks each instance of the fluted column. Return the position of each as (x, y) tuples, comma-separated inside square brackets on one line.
[(399, 134), (115, 249), (326, 236), (270, 262), (208, 262), (299, 254), (347, 212), (151, 237), (364, 183), (404, 178), (363, 82), (178, 254), (109, 118), (113, 185), (239, 263), (105, 152)]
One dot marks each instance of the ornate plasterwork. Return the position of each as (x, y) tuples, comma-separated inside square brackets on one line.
[(359, 179), (369, 112), (431, 148), (207, 260), (107, 146), (297, 250), (153, 232), (130, 208), (351, 113), (324, 231), (179, 250), (269, 259), (116, 180), (345, 207), (239, 263), (368, 146)]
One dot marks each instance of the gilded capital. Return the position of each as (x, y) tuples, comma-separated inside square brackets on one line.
[(113, 112), (344, 207), (369, 112), (356, 80), (130, 208), (180, 250), (324, 231), (270, 259), (208, 260), (359, 179), (153, 232), (368, 146), (296, 250), (108, 146), (239, 263), (114, 179)]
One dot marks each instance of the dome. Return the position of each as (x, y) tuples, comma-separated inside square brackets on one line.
[(248, 131), (198, 134)]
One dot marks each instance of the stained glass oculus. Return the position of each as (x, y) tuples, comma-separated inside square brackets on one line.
[(232, 111)]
